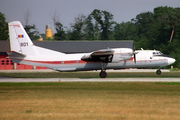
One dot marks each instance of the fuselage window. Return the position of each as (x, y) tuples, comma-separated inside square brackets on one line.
[(62, 62)]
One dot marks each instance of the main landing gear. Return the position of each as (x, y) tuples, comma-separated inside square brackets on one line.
[(158, 72), (103, 73)]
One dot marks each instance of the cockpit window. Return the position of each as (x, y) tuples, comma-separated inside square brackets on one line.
[(157, 53), (160, 53)]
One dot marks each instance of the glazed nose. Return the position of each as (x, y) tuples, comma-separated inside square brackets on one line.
[(171, 61)]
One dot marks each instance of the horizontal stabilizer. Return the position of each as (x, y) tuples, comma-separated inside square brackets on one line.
[(65, 69), (15, 54)]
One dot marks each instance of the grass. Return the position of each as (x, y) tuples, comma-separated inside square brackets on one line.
[(87, 74), (90, 100)]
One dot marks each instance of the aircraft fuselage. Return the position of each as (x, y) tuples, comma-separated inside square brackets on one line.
[(73, 62)]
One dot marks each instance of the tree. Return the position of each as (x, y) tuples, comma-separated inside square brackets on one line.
[(3, 27), (169, 18), (144, 23), (30, 29), (77, 33), (60, 35), (27, 17), (105, 21), (55, 18), (89, 29), (32, 32), (125, 31)]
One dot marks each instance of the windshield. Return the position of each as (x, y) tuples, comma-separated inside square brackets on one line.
[(157, 53)]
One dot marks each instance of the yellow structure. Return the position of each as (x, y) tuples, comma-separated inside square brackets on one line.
[(49, 33), (40, 39)]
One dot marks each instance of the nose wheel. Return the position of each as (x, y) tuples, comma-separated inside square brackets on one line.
[(158, 72), (103, 74)]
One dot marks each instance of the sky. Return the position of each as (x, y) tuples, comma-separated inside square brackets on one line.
[(42, 10)]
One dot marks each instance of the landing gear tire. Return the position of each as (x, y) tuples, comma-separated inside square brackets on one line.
[(158, 72), (103, 74)]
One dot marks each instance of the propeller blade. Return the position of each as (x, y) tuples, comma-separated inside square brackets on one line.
[(135, 58), (134, 53)]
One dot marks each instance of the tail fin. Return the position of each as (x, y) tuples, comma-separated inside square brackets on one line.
[(19, 39)]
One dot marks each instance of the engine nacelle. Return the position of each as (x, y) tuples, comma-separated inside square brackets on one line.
[(117, 57), (126, 57)]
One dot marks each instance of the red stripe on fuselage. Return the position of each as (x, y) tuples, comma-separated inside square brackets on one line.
[(80, 61), (57, 62)]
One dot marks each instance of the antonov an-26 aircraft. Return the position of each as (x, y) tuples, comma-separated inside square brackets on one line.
[(24, 52)]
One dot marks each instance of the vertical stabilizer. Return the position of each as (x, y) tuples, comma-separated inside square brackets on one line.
[(19, 39)]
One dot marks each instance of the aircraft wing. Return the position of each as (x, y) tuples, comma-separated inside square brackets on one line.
[(104, 55)]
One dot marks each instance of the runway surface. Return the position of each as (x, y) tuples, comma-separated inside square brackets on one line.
[(49, 70), (16, 80)]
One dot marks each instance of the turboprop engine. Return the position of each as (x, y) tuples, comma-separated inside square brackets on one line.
[(122, 54), (109, 55)]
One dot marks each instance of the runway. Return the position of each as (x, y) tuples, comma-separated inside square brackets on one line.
[(121, 70), (18, 80)]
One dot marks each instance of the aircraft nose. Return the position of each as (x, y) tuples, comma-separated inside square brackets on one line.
[(171, 61)]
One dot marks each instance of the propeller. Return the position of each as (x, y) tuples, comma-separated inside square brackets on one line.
[(134, 57), (134, 53)]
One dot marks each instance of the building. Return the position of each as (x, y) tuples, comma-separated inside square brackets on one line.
[(67, 47)]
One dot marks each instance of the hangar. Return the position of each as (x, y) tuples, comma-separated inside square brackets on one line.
[(68, 47)]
